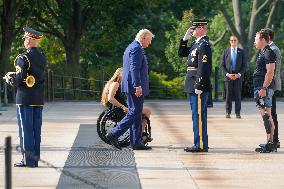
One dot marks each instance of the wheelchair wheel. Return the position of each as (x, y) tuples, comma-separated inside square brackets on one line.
[(109, 121), (99, 120)]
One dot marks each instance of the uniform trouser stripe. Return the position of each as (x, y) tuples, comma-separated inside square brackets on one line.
[(200, 121), (21, 130)]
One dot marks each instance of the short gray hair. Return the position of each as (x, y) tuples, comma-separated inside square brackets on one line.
[(143, 33)]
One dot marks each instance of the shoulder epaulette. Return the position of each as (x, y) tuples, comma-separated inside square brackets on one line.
[(19, 56), (23, 57), (203, 42), (26, 57)]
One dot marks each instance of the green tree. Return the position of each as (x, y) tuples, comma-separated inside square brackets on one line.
[(67, 20), (252, 11), (14, 15)]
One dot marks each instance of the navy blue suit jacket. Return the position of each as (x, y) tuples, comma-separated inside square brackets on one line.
[(135, 69), (227, 63)]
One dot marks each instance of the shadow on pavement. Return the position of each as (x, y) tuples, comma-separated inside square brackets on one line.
[(98, 163)]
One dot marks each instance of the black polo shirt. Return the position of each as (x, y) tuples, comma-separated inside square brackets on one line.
[(266, 56)]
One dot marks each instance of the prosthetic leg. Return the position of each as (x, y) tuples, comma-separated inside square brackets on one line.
[(269, 146)]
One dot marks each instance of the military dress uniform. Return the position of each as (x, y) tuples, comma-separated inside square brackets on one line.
[(29, 81), (199, 60)]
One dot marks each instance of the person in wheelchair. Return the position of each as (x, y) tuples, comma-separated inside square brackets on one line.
[(113, 98)]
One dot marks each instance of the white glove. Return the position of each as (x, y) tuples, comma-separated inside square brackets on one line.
[(7, 77), (198, 92), (187, 35)]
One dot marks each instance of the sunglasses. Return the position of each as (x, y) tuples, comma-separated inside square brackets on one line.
[(233, 40)]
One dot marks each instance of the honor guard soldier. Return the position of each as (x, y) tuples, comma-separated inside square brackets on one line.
[(197, 83), (29, 81)]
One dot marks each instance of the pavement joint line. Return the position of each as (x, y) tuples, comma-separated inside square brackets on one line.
[(188, 171)]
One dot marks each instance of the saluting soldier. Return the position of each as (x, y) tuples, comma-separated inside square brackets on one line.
[(29, 81), (197, 83)]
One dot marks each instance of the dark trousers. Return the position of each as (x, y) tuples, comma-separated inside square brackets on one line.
[(274, 117), (132, 120), (233, 92), (29, 122)]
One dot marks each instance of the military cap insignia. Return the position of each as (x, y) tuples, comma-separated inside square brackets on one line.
[(32, 34), (204, 58), (18, 69), (199, 23)]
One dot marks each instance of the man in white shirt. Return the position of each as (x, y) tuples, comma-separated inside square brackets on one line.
[(233, 66)]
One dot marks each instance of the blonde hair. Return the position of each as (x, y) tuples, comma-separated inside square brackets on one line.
[(143, 33), (117, 76)]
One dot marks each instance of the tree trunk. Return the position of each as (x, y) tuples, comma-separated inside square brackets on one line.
[(7, 25), (73, 34), (5, 54), (72, 51), (238, 21)]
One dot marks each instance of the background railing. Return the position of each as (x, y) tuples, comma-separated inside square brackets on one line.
[(62, 87)]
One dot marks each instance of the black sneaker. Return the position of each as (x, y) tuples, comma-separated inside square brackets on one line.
[(267, 148), (277, 144)]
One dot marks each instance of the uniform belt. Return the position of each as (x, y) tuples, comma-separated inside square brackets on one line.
[(191, 68)]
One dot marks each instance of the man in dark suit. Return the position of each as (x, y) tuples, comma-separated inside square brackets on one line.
[(135, 84), (29, 81), (233, 66)]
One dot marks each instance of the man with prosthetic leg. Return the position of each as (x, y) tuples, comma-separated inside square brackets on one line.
[(263, 87), (197, 83)]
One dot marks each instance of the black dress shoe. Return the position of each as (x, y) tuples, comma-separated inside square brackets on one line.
[(194, 149), (228, 116), (23, 165), (238, 116), (113, 140), (141, 147)]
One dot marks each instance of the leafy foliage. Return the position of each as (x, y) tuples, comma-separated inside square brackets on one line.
[(102, 30), (161, 87)]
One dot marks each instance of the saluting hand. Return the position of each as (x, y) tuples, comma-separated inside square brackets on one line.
[(187, 35)]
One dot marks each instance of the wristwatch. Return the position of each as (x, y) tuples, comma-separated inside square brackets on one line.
[(265, 88)]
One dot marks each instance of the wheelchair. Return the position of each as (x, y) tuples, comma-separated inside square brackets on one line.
[(109, 118)]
